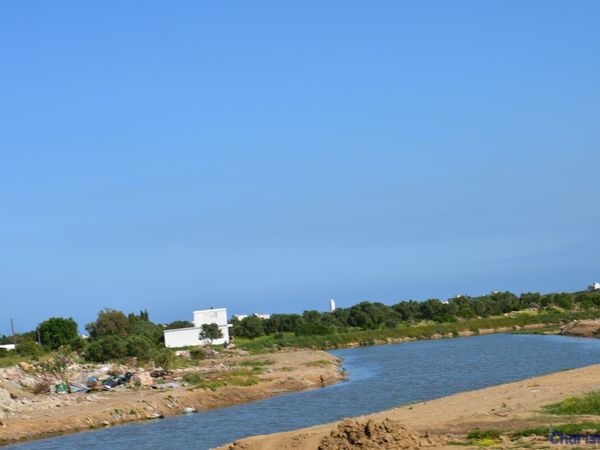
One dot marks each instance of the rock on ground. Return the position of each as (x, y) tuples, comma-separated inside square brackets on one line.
[(586, 328)]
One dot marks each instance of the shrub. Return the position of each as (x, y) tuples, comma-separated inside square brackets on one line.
[(139, 347), (193, 378), (165, 358), (106, 348), (312, 329), (30, 348), (197, 354)]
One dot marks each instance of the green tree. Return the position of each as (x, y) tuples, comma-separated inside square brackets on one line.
[(109, 322), (563, 300), (106, 348), (139, 347), (57, 331), (152, 332), (250, 327), (209, 332)]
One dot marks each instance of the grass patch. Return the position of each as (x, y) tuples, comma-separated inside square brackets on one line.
[(567, 428), (210, 385), (483, 438), (215, 380), (193, 378), (257, 363), (588, 404), (318, 363)]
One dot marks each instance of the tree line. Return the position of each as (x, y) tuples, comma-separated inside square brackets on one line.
[(375, 315), (116, 336)]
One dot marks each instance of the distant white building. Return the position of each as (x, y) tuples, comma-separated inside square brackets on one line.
[(260, 316), (331, 305), (594, 287), (8, 346), (184, 337)]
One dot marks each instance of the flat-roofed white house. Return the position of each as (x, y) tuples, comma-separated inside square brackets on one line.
[(8, 346), (184, 337), (594, 287)]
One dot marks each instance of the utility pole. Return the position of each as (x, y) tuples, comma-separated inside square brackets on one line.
[(12, 326)]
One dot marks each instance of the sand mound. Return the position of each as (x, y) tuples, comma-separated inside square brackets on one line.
[(376, 435)]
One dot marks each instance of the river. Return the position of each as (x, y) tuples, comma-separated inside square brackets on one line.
[(380, 377)]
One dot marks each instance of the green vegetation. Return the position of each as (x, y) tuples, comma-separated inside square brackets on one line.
[(257, 363), (115, 335), (193, 378), (367, 322), (179, 324), (57, 331), (423, 330), (214, 380), (197, 354), (483, 438), (318, 363), (568, 428), (588, 404), (209, 332)]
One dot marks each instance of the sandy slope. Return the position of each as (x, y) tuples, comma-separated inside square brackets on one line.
[(511, 406)]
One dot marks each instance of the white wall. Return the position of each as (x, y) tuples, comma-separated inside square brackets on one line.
[(183, 337), (207, 316), (8, 346)]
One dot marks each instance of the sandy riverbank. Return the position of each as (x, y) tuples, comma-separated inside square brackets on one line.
[(36, 416), (439, 423)]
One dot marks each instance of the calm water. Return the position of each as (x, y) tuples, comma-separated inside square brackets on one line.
[(380, 377)]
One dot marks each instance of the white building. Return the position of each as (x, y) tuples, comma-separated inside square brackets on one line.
[(260, 316), (8, 346), (184, 337), (331, 305), (594, 287)]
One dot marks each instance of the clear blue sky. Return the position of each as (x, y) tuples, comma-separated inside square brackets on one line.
[(267, 156)]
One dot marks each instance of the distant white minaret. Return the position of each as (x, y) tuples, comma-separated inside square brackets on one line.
[(331, 305)]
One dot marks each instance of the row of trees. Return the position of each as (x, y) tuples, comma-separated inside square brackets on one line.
[(368, 315)]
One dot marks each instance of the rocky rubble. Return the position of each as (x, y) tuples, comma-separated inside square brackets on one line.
[(6, 403)]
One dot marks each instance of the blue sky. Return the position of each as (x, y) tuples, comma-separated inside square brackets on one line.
[(267, 156)]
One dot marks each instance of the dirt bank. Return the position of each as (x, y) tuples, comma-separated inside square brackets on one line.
[(445, 422), (28, 416)]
